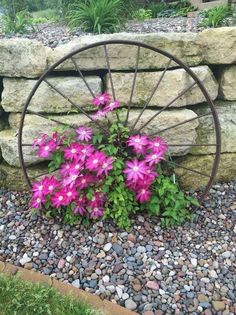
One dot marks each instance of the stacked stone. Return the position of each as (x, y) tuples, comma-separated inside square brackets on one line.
[(22, 62)]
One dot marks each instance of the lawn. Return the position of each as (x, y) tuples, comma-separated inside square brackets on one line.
[(18, 297)]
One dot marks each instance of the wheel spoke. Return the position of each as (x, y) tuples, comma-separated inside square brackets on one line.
[(82, 76), (133, 86), (51, 119), (109, 73), (110, 78), (192, 145), (188, 169), (167, 106), (42, 174), (181, 123), (152, 94), (75, 105)]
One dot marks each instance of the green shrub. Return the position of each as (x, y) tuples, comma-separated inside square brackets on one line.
[(157, 8), (97, 16), (50, 15), (215, 17), (142, 15), (17, 24)]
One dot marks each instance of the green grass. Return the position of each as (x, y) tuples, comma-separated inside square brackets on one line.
[(18, 297)]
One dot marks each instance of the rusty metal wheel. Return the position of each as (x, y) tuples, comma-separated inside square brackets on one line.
[(139, 121)]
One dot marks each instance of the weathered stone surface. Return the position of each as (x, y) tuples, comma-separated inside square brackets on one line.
[(182, 45), (207, 132), (203, 163), (22, 58), (173, 83), (35, 125), (183, 134), (9, 148), (218, 45), (228, 83), (46, 99), (12, 177)]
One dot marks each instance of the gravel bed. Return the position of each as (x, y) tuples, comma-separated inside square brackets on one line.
[(184, 270), (54, 34)]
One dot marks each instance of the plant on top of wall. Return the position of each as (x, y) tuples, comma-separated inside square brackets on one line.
[(97, 16), (96, 176)]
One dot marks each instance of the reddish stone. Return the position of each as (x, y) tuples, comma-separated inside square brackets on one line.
[(153, 285), (61, 264), (132, 238)]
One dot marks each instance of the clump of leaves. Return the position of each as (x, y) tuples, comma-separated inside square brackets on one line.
[(142, 14), (18, 23), (215, 17), (97, 16)]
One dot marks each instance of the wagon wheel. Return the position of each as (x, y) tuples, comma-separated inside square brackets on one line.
[(139, 122)]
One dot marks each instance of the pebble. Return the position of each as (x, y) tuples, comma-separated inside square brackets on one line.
[(76, 283), (130, 304), (25, 259), (107, 247)]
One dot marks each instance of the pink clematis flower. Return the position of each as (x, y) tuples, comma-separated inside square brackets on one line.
[(65, 169), (50, 184), (106, 166), (110, 107), (84, 133), (58, 199), (86, 151), (98, 115), (135, 170), (95, 161), (38, 189), (72, 152), (158, 145), (96, 213), (154, 158), (40, 141), (143, 195), (101, 99), (37, 202), (70, 195), (46, 149), (83, 181), (139, 143)]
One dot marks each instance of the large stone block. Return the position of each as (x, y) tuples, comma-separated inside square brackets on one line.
[(207, 132), (12, 177), (22, 58), (203, 163), (181, 45), (218, 45), (228, 83), (172, 84), (9, 148), (46, 99)]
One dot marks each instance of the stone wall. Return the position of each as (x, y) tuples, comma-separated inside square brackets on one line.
[(210, 54)]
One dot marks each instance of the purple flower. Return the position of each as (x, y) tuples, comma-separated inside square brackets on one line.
[(101, 99), (84, 133)]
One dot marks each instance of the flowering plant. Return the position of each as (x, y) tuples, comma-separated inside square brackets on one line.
[(106, 176)]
